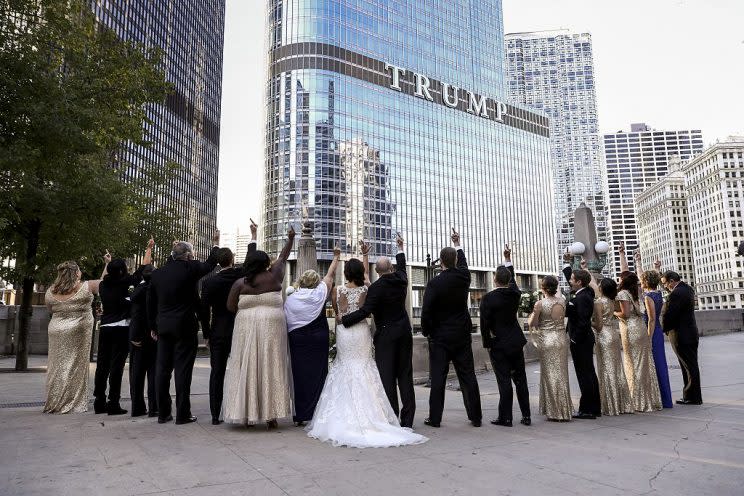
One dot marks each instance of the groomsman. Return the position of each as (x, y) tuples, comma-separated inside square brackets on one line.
[(172, 308), (218, 322), (680, 325), (445, 321), (579, 312), (504, 339)]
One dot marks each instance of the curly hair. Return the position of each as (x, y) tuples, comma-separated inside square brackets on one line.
[(67, 277), (257, 262), (309, 279), (650, 279)]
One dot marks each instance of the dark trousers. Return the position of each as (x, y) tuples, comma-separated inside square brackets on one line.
[(219, 352), (142, 360), (509, 367), (687, 354), (583, 359), (175, 354), (113, 348), (461, 356), (394, 357)]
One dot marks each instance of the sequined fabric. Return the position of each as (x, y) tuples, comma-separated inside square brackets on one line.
[(70, 332), (353, 409), (613, 387), (551, 341), (640, 371), (257, 379)]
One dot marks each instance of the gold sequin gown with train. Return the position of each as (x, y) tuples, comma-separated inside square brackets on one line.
[(608, 348), (638, 361), (70, 332), (551, 341), (257, 379)]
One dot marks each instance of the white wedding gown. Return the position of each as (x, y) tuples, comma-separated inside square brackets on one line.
[(353, 409)]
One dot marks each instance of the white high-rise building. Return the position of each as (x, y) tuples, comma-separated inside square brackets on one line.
[(237, 242), (715, 194), (663, 227), (553, 71), (635, 160)]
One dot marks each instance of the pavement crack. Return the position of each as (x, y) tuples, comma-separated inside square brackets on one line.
[(661, 470)]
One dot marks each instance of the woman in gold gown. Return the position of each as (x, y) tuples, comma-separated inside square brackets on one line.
[(613, 387), (548, 334), (70, 330)]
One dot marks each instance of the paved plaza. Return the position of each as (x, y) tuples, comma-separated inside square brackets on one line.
[(685, 450)]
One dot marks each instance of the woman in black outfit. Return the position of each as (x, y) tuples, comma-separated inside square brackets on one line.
[(113, 337), (142, 351)]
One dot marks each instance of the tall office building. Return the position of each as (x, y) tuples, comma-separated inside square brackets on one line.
[(715, 195), (663, 225), (635, 160), (387, 117), (553, 72), (186, 129)]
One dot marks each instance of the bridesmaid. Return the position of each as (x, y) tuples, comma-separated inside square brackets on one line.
[(548, 334), (654, 302), (69, 300), (613, 386)]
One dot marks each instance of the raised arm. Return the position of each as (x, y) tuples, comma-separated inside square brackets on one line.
[(509, 265), (638, 263), (623, 258), (331, 274), (462, 262), (365, 262), (147, 259), (277, 268), (253, 245), (567, 269), (592, 283), (94, 284)]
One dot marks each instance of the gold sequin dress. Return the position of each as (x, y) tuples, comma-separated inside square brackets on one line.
[(70, 331), (551, 341), (257, 379), (638, 362), (613, 387)]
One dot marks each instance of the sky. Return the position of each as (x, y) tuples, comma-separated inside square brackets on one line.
[(673, 64)]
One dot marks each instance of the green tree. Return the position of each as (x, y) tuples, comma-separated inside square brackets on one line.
[(73, 95)]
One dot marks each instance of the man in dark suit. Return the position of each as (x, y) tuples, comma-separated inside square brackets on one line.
[(445, 321), (504, 339), (172, 309), (143, 351), (386, 301), (217, 321), (579, 312), (680, 325)]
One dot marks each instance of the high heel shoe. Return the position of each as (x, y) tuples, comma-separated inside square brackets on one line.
[(272, 424)]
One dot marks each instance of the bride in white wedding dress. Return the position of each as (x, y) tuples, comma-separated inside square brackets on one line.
[(353, 409)]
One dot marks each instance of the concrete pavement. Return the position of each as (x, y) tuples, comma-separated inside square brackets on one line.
[(685, 450)]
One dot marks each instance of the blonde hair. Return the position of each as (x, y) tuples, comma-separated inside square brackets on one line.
[(309, 279), (67, 277)]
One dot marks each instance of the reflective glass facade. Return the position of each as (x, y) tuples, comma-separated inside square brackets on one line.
[(367, 159), (186, 129)]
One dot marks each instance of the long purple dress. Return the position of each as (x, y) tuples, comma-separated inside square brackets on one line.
[(657, 348)]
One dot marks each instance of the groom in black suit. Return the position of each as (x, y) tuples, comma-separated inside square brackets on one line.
[(386, 301), (504, 339), (579, 312)]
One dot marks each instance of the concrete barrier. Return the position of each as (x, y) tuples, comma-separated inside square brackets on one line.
[(711, 322), (38, 337)]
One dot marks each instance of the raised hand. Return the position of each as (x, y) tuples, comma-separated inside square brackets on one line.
[(254, 228), (455, 237), (657, 265), (621, 247), (567, 257), (336, 251), (291, 233), (216, 238), (583, 263), (151, 243), (399, 241), (107, 257), (364, 246), (507, 253)]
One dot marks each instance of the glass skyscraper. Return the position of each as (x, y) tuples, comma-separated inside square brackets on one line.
[(388, 116), (186, 129)]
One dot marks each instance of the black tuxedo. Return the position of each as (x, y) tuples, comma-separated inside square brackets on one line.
[(172, 308), (445, 321), (142, 358), (503, 337), (386, 301), (217, 324), (579, 311), (680, 325)]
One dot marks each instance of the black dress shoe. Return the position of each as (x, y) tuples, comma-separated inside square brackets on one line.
[(429, 422), (162, 420), (99, 406), (186, 420), (526, 421), (475, 423), (152, 413), (502, 422), (115, 409), (584, 416), (216, 421), (139, 413), (689, 402)]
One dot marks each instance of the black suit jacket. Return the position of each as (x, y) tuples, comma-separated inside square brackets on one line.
[(173, 299), (216, 319), (579, 311), (139, 327), (680, 314), (386, 301), (499, 325), (444, 313)]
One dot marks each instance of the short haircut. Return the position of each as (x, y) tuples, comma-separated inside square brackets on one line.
[(670, 275), (225, 257), (503, 275), (182, 250), (309, 279), (608, 287), (448, 257), (550, 285), (583, 276), (650, 279)]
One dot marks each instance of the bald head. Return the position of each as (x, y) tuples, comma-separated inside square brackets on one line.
[(383, 266)]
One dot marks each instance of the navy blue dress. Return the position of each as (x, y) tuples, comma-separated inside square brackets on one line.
[(308, 347), (657, 347)]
